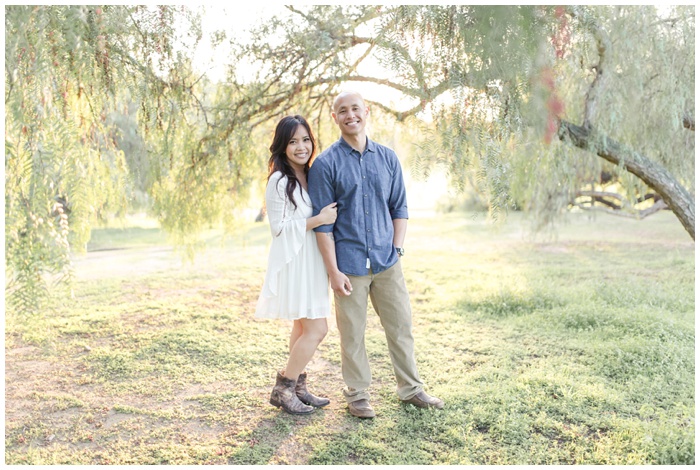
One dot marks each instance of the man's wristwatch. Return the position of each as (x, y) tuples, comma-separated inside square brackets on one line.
[(399, 251)]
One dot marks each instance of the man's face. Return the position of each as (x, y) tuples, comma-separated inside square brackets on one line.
[(350, 114)]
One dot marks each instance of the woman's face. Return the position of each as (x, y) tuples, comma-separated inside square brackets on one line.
[(299, 148)]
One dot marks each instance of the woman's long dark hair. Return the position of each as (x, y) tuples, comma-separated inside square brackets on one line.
[(284, 132)]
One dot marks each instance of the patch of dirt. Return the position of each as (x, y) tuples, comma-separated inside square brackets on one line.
[(64, 419), (19, 372), (113, 418), (203, 430), (22, 351)]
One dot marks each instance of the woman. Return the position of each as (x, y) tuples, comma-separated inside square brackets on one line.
[(296, 282)]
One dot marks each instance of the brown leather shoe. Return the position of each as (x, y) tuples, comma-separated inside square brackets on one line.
[(423, 400), (361, 409)]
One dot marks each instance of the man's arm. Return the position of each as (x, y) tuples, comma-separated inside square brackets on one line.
[(339, 282), (400, 226), (322, 193)]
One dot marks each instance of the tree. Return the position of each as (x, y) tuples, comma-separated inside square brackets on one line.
[(77, 78), (517, 77), (618, 71)]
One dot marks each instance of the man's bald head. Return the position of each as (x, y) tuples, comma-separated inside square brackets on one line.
[(345, 94), (350, 113)]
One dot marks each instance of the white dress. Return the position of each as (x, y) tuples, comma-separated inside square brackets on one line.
[(296, 281)]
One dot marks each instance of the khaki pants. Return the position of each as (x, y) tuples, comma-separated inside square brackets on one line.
[(389, 296)]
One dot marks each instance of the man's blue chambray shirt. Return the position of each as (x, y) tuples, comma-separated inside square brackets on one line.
[(370, 192)]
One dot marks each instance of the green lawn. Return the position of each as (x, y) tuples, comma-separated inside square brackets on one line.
[(574, 349)]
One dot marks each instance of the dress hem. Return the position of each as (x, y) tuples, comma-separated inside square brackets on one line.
[(309, 317)]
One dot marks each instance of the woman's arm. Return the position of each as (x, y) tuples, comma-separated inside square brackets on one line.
[(327, 216)]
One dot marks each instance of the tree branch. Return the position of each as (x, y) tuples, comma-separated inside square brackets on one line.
[(599, 196), (678, 199), (398, 115), (596, 87), (352, 39), (362, 78), (641, 214)]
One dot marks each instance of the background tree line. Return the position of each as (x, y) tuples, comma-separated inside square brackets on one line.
[(541, 108)]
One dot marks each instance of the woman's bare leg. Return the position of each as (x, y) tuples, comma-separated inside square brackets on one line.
[(305, 345), (297, 330)]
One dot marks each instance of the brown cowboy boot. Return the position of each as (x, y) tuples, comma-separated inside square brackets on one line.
[(305, 396), (283, 396)]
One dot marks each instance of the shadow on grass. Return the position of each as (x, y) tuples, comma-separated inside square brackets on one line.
[(274, 440), (399, 435)]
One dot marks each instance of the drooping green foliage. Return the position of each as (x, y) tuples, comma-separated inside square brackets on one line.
[(105, 112), (501, 87), (61, 168), (518, 73)]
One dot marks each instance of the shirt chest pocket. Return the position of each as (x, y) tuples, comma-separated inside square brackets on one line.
[(377, 178)]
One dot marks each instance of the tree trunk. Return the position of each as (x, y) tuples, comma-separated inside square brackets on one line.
[(678, 199)]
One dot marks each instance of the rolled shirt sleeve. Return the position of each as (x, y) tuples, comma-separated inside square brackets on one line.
[(398, 207)]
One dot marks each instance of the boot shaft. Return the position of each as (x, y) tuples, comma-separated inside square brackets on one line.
[(284, 396), (305, 396)]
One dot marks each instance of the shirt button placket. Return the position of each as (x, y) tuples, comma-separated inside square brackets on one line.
[(366, 203)]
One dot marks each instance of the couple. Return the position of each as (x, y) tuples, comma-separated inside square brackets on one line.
[(347, 225)]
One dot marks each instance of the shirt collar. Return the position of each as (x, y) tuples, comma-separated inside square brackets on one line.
[(370, 147)]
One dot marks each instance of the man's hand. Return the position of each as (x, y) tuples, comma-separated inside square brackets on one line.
[(340, 284)]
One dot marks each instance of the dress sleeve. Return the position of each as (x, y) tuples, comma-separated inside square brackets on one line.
[(288, 229)]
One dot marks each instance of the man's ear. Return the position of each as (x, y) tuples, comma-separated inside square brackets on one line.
[(335, 118)]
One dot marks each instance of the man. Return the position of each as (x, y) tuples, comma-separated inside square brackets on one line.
[(362, 252)]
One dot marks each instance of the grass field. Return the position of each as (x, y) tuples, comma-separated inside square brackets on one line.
[(577, 349)]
